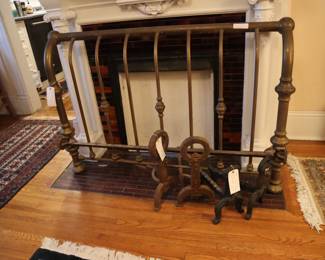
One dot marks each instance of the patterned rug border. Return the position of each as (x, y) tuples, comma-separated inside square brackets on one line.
[(308, 204), (36, 167)]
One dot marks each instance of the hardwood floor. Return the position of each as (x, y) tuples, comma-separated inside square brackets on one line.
[(130, 224)]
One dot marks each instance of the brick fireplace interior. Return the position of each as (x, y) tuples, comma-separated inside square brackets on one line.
[(172, 57)]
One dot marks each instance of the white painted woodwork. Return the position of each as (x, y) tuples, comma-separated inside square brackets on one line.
[(175, 97), (14, 69), (28, 51)]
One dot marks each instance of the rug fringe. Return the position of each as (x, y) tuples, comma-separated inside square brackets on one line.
[(305, 198), (88, 252)]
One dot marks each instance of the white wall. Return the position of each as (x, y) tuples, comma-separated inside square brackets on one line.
[(306, 119)]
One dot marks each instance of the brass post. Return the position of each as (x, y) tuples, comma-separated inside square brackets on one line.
[(67, 130), (285, 88)]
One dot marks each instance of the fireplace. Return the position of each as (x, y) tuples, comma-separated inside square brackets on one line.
[(172, 64)]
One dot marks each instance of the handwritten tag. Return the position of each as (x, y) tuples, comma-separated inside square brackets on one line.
[(240, 26), (233, 180), (50, 97), (160, 149)]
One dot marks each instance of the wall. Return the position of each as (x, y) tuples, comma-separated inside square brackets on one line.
[(307, 115), (309, 66)]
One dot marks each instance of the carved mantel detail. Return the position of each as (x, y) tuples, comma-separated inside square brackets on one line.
[(150, 7), (263, 10), (60, 19)]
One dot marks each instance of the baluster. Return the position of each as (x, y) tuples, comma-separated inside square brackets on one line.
[(189, 80), (104, 104), (257, 56), (126, 71), (160, 106), (285, 88), (221, 107), (73, 75)]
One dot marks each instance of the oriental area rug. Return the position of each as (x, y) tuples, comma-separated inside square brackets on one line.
[(309, 174), (25, 147)]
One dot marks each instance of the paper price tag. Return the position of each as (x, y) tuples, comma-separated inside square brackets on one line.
[(160, 149), (233, 180), (50, 97), (240, 26)]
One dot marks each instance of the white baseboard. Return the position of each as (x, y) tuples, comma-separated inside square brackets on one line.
[(306, 125)]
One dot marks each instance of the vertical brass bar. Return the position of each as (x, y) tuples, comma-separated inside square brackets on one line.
[(189, 80), (67, 132), (73, 75), (160, 106), (285, 88), (221, 107), (257, 57), (126, 71), (104, 104)]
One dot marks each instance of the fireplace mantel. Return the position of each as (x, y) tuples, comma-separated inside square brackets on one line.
[(68, 16)]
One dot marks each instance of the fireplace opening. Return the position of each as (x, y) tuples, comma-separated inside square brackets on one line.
[(172, 59)]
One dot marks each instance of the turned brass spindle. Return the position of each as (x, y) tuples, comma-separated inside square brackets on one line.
[(104, 104), (257, 57), (285, 88), (126, 71), (160, 106), (221, 107), (189, 80), (82, 114)]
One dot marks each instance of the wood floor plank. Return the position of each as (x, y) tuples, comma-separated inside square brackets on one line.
[(130, 224)]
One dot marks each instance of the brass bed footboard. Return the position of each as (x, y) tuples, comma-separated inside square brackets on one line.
[(284, 89)]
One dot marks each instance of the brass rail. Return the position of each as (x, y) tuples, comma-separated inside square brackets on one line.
[(215, 27), (172, 149)]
